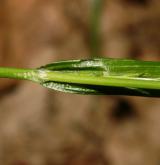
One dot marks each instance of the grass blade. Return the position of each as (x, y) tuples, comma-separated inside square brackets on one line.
[(95, 76)]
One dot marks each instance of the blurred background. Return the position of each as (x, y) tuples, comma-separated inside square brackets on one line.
[(43, 127)]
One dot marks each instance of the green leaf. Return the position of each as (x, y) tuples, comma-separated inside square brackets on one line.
[(103, 76), (95, 76)]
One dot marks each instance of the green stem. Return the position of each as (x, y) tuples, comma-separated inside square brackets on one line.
[(15, 73), (128, 77), (95, 27), (114, 81)]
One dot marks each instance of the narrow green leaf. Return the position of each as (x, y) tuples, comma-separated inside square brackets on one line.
[(103, 76), (95, 76)]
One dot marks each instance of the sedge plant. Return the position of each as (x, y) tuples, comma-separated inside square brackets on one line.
[(95, 76)]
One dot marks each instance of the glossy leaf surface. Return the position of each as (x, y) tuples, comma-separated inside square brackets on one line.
[(103, 76)]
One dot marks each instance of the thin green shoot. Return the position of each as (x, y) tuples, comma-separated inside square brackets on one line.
[(95, 76)]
